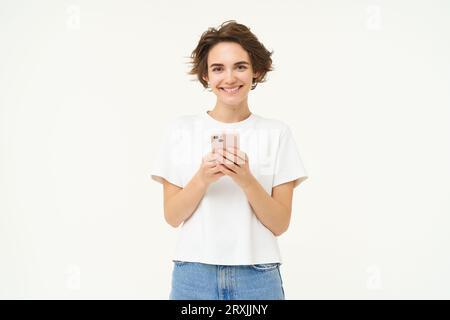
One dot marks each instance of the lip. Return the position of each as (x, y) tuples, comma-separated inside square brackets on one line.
[(231, 93)]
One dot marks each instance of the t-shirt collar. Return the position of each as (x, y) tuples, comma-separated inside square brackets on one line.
[(240, 124)]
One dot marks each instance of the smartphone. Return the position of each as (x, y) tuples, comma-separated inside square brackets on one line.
[(223, 141)]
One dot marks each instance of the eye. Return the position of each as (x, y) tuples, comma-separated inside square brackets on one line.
[(215, 69), (244, 67)]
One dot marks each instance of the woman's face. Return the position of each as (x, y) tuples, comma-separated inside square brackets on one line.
[(230, 73)]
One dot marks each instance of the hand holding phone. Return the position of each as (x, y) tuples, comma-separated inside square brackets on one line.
[(223, 141)]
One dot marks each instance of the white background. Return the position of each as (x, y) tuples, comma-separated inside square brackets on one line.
[(86, 87)]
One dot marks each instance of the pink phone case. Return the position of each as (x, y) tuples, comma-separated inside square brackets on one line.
[(224, 141)]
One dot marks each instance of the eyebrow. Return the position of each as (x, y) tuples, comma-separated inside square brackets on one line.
[(221, 65)]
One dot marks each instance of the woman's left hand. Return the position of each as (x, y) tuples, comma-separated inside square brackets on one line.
[(235, 165)]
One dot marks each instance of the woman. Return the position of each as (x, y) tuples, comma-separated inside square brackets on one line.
[(233, 201)]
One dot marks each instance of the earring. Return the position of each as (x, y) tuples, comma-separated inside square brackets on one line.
[(209, 88)]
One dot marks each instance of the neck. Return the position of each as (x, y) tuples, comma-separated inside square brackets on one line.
[(230, 113)]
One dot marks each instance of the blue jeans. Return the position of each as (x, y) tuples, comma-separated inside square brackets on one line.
[(199, 281)]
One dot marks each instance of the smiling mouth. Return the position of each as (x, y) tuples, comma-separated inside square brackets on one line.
[(231, 90)]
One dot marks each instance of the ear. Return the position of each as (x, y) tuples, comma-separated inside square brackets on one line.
[(256, 74)]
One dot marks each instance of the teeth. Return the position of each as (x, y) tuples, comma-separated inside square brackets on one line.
[(231, 90)]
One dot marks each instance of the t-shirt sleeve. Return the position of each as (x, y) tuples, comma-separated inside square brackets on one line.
[(288, 164), (165, 164)]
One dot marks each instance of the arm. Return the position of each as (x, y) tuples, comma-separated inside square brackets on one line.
[(180, 203), (273, 211)]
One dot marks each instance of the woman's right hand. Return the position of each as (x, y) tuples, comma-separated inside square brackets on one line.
[(209, 170)]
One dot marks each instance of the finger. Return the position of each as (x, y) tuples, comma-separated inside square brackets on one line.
[(237, 155), (209, 165), (233, 158), (231, 165), (226, 170), (210, 157), (214, 169), (213, 156), (237, 152)]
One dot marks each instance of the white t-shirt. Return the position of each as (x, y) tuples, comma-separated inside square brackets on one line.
[(224, 230)]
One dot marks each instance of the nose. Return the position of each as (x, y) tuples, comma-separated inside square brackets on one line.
[(229, 77)]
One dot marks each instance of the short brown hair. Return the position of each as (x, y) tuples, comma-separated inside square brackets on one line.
[(231, 31)]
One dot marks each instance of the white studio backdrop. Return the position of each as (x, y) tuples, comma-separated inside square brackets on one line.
[(87, 87)]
